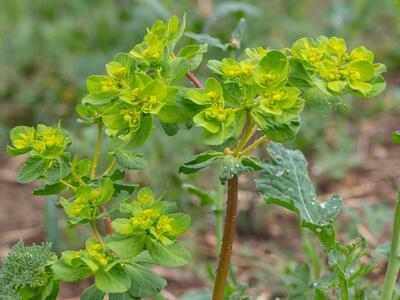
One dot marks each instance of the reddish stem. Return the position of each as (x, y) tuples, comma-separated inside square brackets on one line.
[(194, 79), (227, 240), (107, 222)]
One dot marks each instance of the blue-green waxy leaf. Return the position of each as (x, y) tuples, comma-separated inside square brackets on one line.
[(235, 166), (33, 168), (92, 293), (284, 181), (144, 282), (396, 136), (115, 280), (200, 161), (173, 255), (130, 160)]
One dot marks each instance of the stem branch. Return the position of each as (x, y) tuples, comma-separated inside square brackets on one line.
[(96, 232), (227, 240), (73, 188), (253, 146), (394, 262)]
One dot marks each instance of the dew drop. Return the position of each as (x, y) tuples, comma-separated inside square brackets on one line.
[(323, 205), (279, 173)]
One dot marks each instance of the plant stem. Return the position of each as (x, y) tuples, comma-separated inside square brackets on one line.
[(245, 136), (194, 79), (96, 232), (394, 262), (97, 151), (227, 240), (110, 167), (253, 146), (73, 188), (77, 177), (107, 222)]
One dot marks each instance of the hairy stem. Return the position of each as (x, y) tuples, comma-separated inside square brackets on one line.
[(97, 151), (394, 262), (227, 240)]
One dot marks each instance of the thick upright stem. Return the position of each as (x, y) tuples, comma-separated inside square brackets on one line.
[(227, 240), (394, 262)]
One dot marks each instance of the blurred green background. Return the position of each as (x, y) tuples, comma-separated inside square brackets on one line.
[(48, 48)]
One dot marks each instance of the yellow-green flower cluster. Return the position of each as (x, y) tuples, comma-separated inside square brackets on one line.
[(335, 71), (95, 256), (215, 118), (152, 218), (159, 41), (45, 141), (84, 206)]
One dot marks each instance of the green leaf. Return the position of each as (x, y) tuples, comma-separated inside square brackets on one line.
[(140, 136), (122, 296), (92, 293), (193, 54), (170, 129), (173, 255), (21, 138), (144, 282), (116, 280), (180, 223), (396, 136), (277, 128), (319, 101), (82, 167), (32, 169), (175, 69), (284, 181), (205, 198), (68, 273), (130, 160), (60, 168), (235, 166), (49, 189), (207, 39), (181, 110), (200, 161), (127, 246)]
